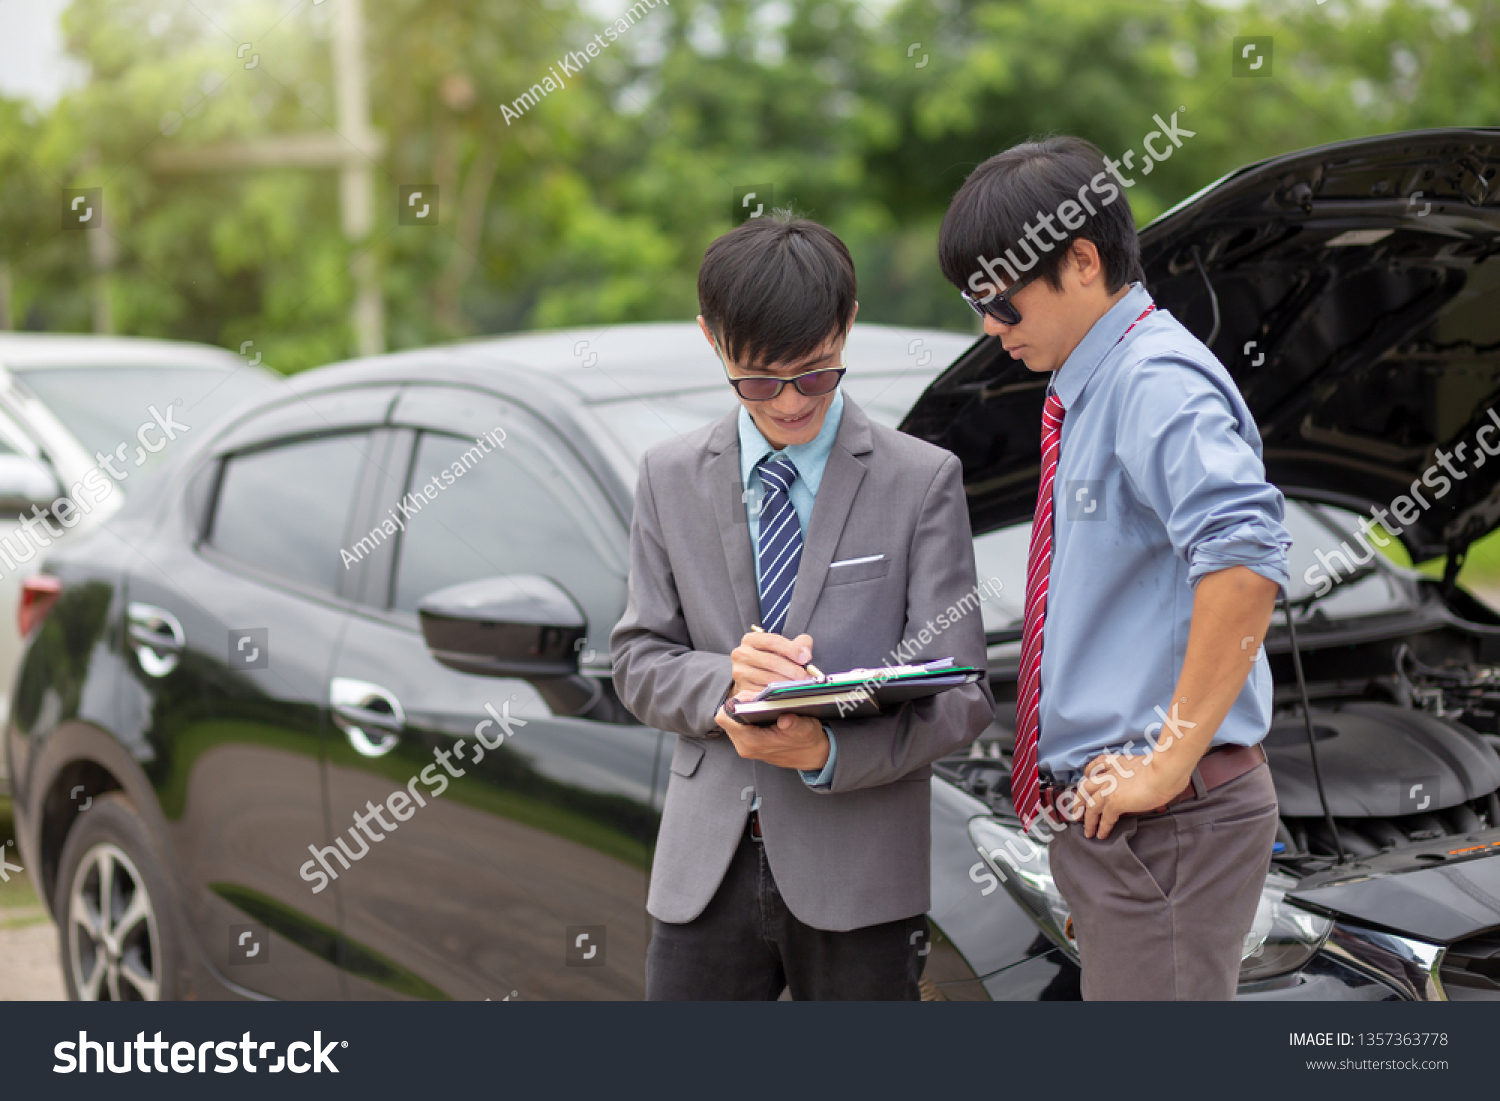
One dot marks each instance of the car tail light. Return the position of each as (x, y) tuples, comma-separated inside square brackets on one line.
[(38, 594)]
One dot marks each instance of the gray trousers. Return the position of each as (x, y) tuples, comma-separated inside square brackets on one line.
[(1162, 906)]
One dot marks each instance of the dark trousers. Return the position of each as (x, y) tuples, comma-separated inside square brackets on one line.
[(1161, 907), (747, 946)]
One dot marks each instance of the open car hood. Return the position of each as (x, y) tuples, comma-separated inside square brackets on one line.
[(1442, 892), (1358, 309)]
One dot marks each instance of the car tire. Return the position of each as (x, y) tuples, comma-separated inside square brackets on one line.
[(136, 951)]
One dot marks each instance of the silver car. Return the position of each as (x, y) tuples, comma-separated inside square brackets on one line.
[(82, 420)]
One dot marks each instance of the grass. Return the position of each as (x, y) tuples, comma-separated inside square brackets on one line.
[(1481, 568), (17, 894)]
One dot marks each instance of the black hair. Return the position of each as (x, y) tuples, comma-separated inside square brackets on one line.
[(775, 288), (1022, 192)]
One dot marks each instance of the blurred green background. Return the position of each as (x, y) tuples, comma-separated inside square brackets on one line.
[(18, 900), (594, 206)]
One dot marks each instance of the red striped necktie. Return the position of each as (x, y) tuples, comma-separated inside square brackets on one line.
[(1025, 780)]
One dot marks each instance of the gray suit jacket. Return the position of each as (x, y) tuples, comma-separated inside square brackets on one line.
[(857, 854)]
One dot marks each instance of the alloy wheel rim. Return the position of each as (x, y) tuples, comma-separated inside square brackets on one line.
[(113, 950)]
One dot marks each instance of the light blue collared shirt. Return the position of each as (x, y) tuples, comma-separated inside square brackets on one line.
[(810, 459), (1159, 482)]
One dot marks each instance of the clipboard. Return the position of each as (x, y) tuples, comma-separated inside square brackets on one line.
[(854, 693)]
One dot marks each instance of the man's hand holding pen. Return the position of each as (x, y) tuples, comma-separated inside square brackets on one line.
[(795, 741), (763, 658)]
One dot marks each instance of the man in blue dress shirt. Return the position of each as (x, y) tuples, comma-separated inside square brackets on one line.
[(1157, 555)]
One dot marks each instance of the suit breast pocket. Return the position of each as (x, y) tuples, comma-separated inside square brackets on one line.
[(865, 567)]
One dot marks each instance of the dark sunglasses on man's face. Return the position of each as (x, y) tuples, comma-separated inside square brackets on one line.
[(998, 306), (810, 384)]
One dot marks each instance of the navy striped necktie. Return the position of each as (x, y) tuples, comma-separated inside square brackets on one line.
[(780, 542)]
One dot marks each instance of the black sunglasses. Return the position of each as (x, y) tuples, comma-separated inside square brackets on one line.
[(999, 306), (810, 384)]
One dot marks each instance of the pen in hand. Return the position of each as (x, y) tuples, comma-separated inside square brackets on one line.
[(810, 667)]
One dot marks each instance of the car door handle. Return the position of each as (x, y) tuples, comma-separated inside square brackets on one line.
[(156, 637), (359, 706)]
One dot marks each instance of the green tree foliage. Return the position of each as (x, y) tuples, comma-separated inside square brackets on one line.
[(592, 205)]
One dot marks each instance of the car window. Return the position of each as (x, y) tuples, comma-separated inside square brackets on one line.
[(285, 509), (104, 407), (518, 509)]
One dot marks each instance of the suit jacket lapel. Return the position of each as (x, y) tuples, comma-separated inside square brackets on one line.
[(728, 491), (841, 480)]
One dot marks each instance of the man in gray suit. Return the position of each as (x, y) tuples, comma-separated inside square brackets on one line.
[(795, 855)]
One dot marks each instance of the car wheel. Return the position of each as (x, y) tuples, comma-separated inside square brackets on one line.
[(116, 912)]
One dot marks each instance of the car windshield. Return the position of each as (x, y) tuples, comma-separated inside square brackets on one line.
[(104, 407), (1001, 556)]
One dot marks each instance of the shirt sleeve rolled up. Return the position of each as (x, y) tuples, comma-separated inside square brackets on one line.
[(1185, 450)]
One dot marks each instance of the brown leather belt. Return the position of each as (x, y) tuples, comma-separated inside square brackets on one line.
[(1215, 769), (755, 826)]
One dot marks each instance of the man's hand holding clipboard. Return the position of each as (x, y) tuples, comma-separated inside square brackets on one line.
[(759, 661)]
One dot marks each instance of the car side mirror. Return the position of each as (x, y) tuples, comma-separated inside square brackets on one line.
[(24, 482), (516, 626)]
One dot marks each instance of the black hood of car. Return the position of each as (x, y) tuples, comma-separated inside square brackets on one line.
[(1441, 892), (1353, 292)]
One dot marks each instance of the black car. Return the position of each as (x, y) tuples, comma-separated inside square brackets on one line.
[(327, 712)]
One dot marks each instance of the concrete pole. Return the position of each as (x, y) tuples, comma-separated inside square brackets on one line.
[(104, 250), (352, 148), (356, 177)]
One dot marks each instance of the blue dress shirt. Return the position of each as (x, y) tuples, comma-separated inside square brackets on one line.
[(1159, 482), (810, 460)]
